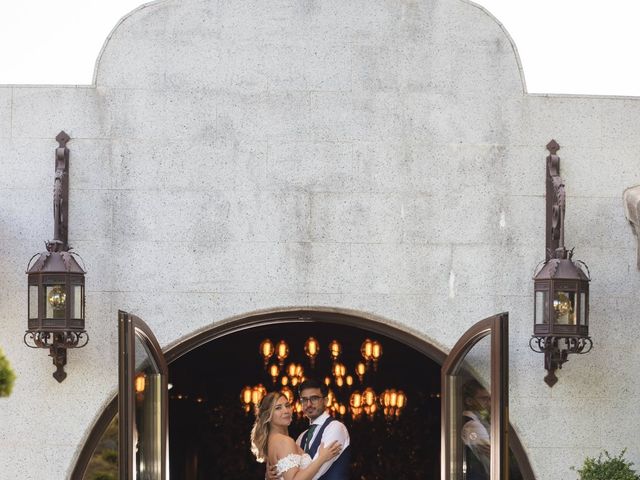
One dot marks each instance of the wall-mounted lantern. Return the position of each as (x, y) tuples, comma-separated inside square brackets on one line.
[(56, 300), (561, 286)]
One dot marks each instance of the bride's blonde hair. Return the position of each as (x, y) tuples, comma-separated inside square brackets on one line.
[(262, 425)]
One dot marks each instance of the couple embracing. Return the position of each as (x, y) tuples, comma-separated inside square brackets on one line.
[(320, 453)]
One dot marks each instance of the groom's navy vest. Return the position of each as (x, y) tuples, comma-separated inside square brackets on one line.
[(340, 468)]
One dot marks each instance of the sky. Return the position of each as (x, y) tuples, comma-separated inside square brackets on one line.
[(585, 47)]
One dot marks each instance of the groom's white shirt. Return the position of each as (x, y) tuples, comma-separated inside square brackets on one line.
[(334, 431)]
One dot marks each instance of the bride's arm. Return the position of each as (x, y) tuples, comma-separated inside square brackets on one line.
[(287, 446)]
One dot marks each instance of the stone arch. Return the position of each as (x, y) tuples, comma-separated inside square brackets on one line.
[(273, 317)]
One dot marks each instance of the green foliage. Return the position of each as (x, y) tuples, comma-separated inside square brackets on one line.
[(103, 476), (110, 456), (7, 376), (611, 468), (104, 461)]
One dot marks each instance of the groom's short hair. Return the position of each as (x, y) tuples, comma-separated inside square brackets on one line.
[(313, 383)]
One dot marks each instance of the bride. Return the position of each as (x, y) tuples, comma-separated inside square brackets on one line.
[(270, 441)]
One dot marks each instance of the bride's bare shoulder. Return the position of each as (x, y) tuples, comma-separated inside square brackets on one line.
[(281, 445)]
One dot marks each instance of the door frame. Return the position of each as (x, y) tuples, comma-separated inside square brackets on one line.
[(497, 327), (130, 328), (281, 316)]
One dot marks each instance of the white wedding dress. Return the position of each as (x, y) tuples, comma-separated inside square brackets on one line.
[(293, 460)]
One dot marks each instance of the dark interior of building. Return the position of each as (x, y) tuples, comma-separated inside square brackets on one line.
[(209, 427)]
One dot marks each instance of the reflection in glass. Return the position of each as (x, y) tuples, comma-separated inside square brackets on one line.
[(564, 307), (76, 311), (33, 301), (147, 420), (104, 461), (474, 400), (583, 308), (542, 307)]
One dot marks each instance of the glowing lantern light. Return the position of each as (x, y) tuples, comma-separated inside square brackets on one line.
[(311, 349), (282, 351), (266, 350), (335, 349), (140, 383)]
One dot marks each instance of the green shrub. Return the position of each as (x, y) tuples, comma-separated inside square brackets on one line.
[(611, 468), (7, 377)]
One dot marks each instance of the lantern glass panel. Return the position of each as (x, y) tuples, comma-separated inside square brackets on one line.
[(564, 308), (583, 308), (56, 301), (33, 302), (542, 307), (76, 311)]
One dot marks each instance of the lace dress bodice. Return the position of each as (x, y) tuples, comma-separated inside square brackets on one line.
[(293, 460)]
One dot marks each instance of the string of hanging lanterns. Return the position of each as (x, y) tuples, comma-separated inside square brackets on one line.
[(362, 401)]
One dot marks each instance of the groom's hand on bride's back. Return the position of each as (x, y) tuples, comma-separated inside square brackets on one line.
[(271, 473)]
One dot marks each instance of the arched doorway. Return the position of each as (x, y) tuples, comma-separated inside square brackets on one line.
[(319, 320)]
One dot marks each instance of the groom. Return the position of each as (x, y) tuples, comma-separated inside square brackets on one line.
[(323, 428)]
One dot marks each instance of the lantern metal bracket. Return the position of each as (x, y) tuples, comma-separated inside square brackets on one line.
[(57, 343), (556, 350), (556, 204)]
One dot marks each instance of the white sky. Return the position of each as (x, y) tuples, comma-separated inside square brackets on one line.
[(565, 46)]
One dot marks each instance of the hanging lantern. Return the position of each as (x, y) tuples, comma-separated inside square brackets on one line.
[(335, 349), (288, 393), (284, 380), (274, 371), (369, 396), (401, 400), (258, 393), (246, 396), (349, 380), (355, 400), (367, 351), (311, 349), (340, 382), (291, 369), (327, 381), (360, 371), (561, 287), (266, 350), (282, 351), (339, 370), (56, 294), (376, 353), (330, 396)]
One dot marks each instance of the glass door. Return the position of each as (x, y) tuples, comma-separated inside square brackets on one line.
[(475, 404), (142, 402)]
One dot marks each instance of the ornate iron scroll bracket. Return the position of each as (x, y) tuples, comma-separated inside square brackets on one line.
[(57, 343), (61, 196), (556, 350), (556, 204)]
